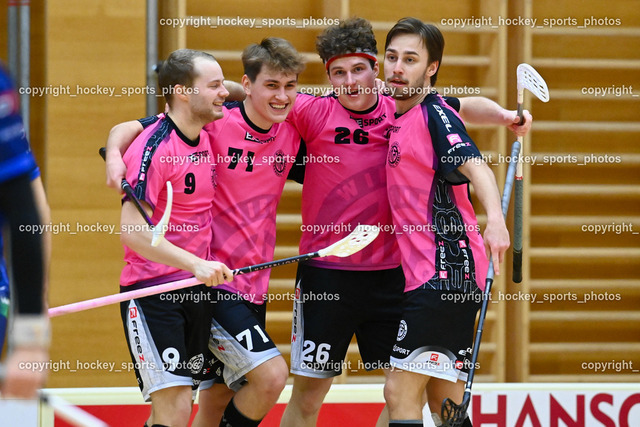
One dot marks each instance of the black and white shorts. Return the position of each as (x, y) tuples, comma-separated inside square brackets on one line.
[(167, 335), (436, 334), (333, 305), (237, 339)]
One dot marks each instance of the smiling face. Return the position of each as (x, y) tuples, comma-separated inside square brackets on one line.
[(207, 93), (354, 80), (270, 97), (406, 68)]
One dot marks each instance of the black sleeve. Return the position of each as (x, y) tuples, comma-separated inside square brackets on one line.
[(451, 143), (453, 102), (148, 121), (297, 170), (18, 206)]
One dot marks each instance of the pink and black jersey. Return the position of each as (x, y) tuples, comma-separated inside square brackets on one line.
[(437, 230), (159, 154), (252, 167), (345, 182)]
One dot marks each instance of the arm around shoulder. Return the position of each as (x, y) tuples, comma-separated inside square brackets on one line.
[(484, 111), (120, 138)]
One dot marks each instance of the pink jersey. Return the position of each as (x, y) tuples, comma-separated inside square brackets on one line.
[(159, 154), (438, 233), (345, 182), (252, 167)]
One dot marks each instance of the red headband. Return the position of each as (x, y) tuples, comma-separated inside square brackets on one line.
[(367, 55)]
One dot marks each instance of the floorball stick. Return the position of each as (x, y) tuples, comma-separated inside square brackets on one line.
[(160, 228), (528, 78), (452, 414), (70, 413), (354, 242)]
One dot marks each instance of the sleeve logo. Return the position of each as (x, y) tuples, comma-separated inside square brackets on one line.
[(454, 138)]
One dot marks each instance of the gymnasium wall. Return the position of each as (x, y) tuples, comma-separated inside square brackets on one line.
[(93, 46)]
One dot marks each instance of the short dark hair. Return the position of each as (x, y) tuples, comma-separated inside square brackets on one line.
[(431, 37), (178, 69), (276, 53), (353, 35)]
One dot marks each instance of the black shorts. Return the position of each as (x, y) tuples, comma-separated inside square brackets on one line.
[(436, 334), (238, 341), (333, 305), (167, 335)]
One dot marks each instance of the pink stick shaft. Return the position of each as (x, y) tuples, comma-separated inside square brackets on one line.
[(124, 296)]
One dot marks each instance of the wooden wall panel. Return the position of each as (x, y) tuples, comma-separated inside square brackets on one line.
[(91, 44)]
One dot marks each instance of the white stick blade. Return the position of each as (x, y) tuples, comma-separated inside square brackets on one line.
[(528, 78), (354, 242), (161, 226)]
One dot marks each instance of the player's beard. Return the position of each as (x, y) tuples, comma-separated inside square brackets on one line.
[(205, 113), (413, 89)]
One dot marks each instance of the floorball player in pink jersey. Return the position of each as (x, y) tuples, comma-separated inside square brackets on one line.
[(254, 149), (167, 333), (347, 139), (430, 163)]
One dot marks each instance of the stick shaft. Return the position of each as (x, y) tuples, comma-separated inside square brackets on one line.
[(71, 413), (517, 232), (277, 263), (123, 296), (128, 190), (506, 197), (521, 115), (165, 287), (518, 222), (126, 187)]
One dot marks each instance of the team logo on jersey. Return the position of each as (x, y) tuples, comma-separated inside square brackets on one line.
[(391, 129), (402, 330), (196, 363), (279, 163), (200, 157), (133, 312), (214, 177), (454, 138), (362, 122), (249, 137), (394, 154)]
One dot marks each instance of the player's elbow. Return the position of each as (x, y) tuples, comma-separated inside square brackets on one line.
[(127, 237), (122, 134), (115, 130), (473, 167)]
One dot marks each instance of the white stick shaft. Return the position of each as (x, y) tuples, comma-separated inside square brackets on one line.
[(172, 286), (123, 296), (72, 414)]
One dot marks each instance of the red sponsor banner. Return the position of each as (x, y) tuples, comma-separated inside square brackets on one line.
[(570, 408), (492, 405)]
